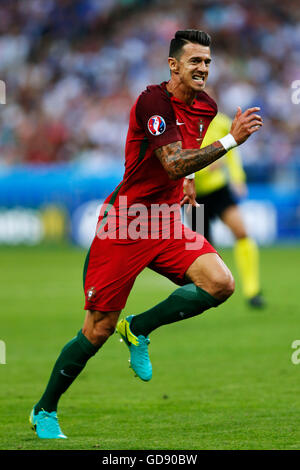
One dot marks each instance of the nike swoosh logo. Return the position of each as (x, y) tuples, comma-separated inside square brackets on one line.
[(67, 375), (126, 335), (180, 123)]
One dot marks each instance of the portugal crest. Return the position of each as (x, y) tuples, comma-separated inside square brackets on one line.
[(91, 293)]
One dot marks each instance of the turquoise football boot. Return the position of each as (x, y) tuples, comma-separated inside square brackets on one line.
[(45, 424), (138, 347)]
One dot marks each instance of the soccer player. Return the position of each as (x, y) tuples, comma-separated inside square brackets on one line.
[(216, 187), (161, 150)]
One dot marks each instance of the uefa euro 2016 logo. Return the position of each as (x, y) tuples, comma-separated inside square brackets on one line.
[(156, 125), (2, 92)]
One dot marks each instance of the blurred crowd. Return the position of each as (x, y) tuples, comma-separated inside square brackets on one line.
[(73, 69)]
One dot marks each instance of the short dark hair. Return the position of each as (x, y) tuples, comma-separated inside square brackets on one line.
[(188, 35)]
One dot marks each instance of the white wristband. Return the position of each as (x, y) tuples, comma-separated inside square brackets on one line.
[(228, 142), (191, 176)]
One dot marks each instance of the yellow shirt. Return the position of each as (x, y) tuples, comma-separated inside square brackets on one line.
[(228, 168)]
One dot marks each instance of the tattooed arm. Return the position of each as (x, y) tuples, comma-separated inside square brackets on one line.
[(179, 162)]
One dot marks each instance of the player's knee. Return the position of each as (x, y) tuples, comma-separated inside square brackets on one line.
[(240, 234), (222, 286), (226, 287), (100, 331), (103, 330)]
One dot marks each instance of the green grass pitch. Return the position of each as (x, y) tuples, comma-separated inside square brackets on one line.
[(223, 380)]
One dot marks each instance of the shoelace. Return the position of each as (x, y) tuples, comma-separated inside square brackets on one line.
[(50, 420)]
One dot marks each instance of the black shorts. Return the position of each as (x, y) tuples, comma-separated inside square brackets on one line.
[(213, 205), (216, 202)]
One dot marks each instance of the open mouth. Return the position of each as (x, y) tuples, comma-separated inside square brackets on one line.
[(199, 79)]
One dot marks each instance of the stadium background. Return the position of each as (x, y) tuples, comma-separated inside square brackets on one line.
[(72, 70)]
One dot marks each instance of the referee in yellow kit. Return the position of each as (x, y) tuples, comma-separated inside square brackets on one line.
[(216, 188)]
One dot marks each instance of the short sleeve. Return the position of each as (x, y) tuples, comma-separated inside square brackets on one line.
[(155, 114)]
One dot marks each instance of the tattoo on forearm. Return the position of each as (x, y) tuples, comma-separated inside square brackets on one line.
[(179, 162)]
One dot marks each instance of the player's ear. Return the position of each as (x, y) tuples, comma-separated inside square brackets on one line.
[(173, 64)]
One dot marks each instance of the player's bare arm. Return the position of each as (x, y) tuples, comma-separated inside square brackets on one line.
[(179, 162)]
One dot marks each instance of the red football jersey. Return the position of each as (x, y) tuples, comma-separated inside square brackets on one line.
[(156, 119)]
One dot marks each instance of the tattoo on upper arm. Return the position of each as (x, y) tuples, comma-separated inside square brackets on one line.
[(179, 162)]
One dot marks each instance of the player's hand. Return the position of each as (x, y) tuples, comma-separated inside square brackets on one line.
[(189, 194), (245, 124)]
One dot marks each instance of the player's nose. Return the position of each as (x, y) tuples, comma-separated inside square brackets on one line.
[(202, 67)]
